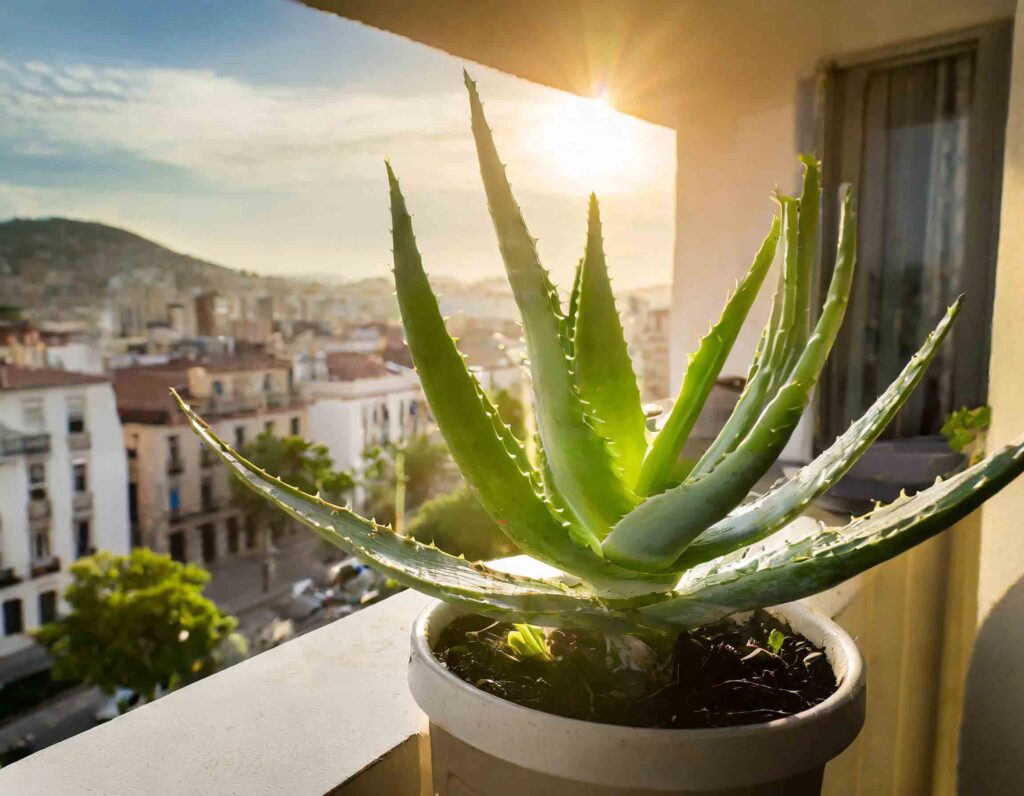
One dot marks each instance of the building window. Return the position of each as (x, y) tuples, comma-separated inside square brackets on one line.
[(218, 388), (83, 538), (233, 534), (174, 463), (176, 542), (37, 481), (250, 532), (47, 607), (206, 494), (41, 545), (76, 416), (175, 501), (295, 426), (239, 437), (208, 536), (79, 476), (268, 427), (32, 414), (268, 382), (13, 623)]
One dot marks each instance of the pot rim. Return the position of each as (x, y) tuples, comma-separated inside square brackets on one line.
[(509, 731)]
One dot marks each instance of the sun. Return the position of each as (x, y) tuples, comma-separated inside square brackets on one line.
[(585, 141)]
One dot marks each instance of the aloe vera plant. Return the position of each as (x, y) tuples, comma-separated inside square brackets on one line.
[(637, 540)]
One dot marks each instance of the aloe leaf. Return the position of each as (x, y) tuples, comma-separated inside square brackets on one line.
[(604, 371), (655, 534), (703, 368), (583, 466), (760, 518), (490, 457), (574, 305), (419, 566), (768, 363), (807, 246), (791, 568)]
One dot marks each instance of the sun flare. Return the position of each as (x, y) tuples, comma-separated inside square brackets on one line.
[(589, 144)]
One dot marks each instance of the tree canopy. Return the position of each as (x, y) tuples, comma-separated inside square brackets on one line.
[(296, 461), (138, 621)]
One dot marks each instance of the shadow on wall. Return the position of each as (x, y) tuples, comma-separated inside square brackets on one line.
[(991, 741)]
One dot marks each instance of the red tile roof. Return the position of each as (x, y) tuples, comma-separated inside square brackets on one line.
[(13, 377), (350, 365)]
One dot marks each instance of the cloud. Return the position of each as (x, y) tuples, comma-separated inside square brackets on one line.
[(290, 177), (233, 132)]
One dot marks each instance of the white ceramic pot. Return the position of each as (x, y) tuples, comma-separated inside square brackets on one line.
[(485, 746)]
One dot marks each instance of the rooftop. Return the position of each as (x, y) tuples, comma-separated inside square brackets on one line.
[(352, 365), (13, 377)]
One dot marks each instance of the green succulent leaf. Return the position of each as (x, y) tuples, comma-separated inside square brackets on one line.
[(760, 518), (584, 468), (807, 246), (655, 534), (574, 304), (704, 367), (488, 454), (604, 371), (411, 563), (788, 568)]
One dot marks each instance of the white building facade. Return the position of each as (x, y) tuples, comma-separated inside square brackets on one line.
[(63, 490)]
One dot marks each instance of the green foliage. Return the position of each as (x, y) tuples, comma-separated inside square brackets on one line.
[(965, 429), (775, 639), (422, 463), (297, 461), (641, 541), (459, 525), (138, 621)]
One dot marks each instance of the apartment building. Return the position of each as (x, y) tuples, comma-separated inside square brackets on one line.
[(363, 401), (63, 490), (178, 491)]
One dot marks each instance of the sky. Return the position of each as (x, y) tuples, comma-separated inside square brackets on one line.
[(253, 133)]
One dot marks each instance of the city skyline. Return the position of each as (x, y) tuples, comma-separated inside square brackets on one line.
[(182, 141)]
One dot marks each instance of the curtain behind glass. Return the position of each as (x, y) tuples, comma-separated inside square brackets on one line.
[(914, 128)]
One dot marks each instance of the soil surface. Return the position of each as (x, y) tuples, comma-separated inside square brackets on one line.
[(720, 675)]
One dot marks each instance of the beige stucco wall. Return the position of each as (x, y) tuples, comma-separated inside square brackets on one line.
[(1002, 544), (740, 130)]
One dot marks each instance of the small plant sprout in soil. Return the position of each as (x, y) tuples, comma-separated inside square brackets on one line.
[(646, 549)]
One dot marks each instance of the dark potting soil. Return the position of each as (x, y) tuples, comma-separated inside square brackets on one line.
[(720, 675)]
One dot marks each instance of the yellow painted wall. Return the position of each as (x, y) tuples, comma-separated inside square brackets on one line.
[(1002, 525)]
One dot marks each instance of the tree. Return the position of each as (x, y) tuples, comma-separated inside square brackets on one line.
[(458, 524), (421, 461), (296, 461), (138, 621)]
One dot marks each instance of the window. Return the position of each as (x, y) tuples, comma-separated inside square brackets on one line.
[(239, 437), (13, 623), (174, 463), (233, 534), (76, 415), (176, 543), (175, 501), (133, 501), (32, 414), (37, 481), (250, 533), (41, 545), (206, 493), (79, 477), (268, 382), (47, 607), (218, 388), (295, 426), (83, 538), (268, 427), (919, 134), (208, 536)]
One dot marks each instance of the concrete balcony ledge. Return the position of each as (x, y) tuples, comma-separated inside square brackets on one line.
[(328, 712)]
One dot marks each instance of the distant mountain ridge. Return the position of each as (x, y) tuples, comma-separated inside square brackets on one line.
[(98, 253)]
